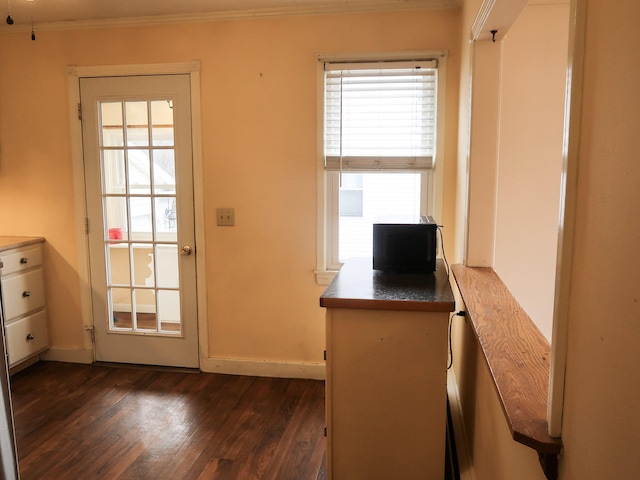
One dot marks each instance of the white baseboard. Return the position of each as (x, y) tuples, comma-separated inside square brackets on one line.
[(459, 430), (75, 355), (263, 368), (230, 366)]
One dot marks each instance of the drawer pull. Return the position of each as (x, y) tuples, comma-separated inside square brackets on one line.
[(30, 337), (24, 260), (26, 294)]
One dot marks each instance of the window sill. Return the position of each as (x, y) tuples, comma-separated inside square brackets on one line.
[(325, 277), (517, 355)]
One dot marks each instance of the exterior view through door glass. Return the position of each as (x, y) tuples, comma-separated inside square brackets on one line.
[(137, 150)]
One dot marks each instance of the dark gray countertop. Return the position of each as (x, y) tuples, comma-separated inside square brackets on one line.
[(357, 285)]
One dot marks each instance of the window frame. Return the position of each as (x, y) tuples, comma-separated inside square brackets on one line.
[(327, 264)]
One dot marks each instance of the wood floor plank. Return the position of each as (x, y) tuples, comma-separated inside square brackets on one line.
[(101, 422), (254, 457), (301, 444)]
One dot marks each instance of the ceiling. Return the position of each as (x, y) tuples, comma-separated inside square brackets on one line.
[(66, 13)]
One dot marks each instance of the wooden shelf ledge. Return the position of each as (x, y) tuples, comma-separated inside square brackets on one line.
[(517, 355)]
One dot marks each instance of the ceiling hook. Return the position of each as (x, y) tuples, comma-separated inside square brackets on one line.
[(493, 35), (9, 18)]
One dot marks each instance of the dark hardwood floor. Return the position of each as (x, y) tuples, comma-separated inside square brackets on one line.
[(100, 422)]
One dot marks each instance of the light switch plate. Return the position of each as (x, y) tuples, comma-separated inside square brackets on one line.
[(225, 217)]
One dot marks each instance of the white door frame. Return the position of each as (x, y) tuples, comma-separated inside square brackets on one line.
[(74, 73)]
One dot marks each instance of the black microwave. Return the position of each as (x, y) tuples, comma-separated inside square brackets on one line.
[(405, 246)]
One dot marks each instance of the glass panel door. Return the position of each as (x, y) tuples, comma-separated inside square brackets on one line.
[(136, 133)]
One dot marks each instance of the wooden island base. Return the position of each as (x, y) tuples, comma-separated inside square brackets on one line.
[(386, 373)]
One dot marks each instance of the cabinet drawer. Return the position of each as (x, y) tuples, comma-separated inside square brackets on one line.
[(21, 260), (27, 337), (22, 294)]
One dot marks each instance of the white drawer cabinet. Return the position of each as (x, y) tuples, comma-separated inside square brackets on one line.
[(21, 259), (22, 293), (26, 337), (23, 299)]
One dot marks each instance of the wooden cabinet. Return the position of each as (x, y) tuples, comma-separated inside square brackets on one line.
[(23, 298), (386, 374)]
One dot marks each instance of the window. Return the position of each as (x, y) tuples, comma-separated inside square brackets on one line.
[(351, 195), (377, 149)]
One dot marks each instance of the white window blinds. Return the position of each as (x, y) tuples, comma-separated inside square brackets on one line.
[(380, 116)]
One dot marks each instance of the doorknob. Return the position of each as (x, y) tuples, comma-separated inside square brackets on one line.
[(186, 250)]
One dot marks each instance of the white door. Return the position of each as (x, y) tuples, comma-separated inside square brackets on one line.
[(139, 187)]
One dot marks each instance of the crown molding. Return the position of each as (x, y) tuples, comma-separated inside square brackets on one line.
[(383, 6), (495, 16)]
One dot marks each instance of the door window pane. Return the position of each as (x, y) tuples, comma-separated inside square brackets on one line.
[(114, 172), (162, 123), (112, 126), (143, 269), (137, 124), (169, 309), (164, 171), (115, 213), (167, 266), (141, 225), (118, 265), (139, 172), (166, 217), (145, 302), (120, 301)]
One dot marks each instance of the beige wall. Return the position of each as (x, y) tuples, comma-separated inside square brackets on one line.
[(259, 147), (464, 114), (534, 65), (492, 453), (483, 153), (601, 420), (601, 417), (515, 155)]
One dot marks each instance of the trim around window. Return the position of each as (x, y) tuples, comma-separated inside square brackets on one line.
[(327, 265)]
